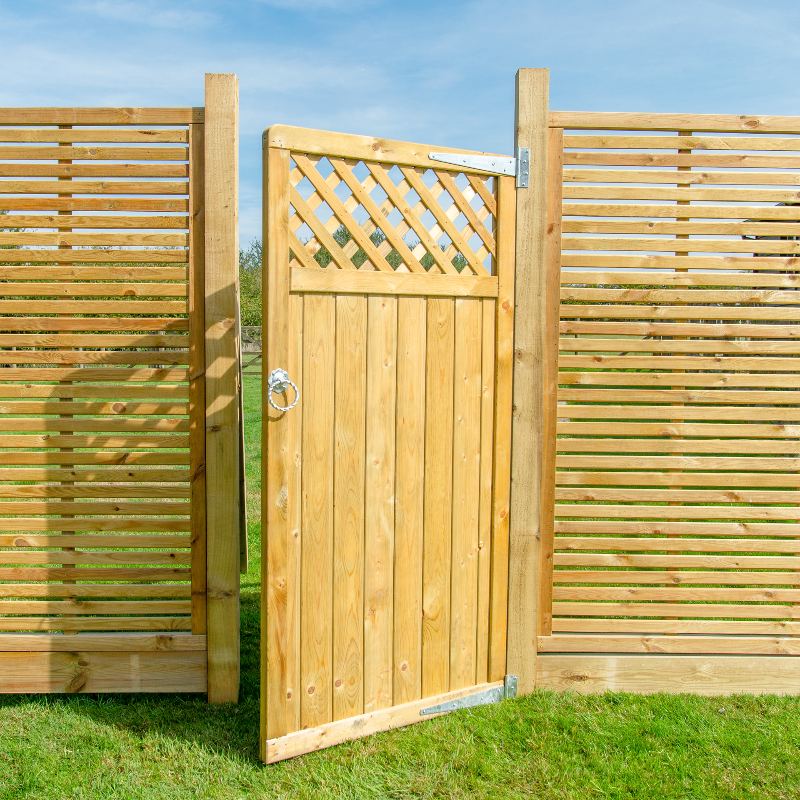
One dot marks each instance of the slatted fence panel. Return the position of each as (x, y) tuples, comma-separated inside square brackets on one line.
[(101, 392), (678, 475)]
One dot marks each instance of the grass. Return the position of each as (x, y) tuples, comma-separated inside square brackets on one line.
[(546, 746)]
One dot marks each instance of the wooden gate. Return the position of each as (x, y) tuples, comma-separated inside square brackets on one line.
[(389, 283), (673, 565), (117, 338)]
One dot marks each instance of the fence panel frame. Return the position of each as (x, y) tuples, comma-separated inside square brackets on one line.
[(662, 657), (148, 659)]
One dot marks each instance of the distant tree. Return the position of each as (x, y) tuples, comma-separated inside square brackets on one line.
[(250, 283)]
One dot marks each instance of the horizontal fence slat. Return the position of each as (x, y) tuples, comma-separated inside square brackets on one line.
[(94, 187), (94, 170), (99, 153), (636, 141), (105, 624), (167, 205), (635, 121), (581, 643), (706, 479), (101, 116), (163, 256), (740, 213), (97, 221), (87, 643), (95, 135), (89, 323), (736, 529), (666, 626)]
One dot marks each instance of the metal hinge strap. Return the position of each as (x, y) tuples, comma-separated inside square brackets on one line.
[(485, 698), (519, 167)]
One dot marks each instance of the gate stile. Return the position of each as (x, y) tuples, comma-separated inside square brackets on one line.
[(103, 401), (389, 284)]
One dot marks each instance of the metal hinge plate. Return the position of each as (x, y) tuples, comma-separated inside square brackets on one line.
[(523, 167), (493, 695), (519, 167)]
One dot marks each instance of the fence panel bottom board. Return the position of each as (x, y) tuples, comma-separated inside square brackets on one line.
[(172, 663), (651, 673)]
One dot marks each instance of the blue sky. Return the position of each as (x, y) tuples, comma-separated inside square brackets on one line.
[(438, 72)]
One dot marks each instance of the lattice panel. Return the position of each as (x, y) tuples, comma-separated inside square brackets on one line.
[(94, 384), (679, 410), (365, 215)]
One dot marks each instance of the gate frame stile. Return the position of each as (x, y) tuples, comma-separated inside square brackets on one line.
[(280, 702)]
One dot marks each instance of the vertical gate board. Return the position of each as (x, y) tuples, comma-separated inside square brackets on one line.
[(486, 480), (409, 497), (349, 474), (505, 220), (316, 632), (394, 259), (466, 492), (438, 496), (222, 386), (676, 499), (100, 529), (379, 500)]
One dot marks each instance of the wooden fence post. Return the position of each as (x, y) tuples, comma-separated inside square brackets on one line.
[(222, 385), (528, 421)]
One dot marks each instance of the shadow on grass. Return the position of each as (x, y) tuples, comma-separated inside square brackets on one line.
[(228, 730)]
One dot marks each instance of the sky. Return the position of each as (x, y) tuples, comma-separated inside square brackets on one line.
[(433, 72)]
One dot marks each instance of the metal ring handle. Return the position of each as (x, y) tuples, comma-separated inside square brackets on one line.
[(278, 382)]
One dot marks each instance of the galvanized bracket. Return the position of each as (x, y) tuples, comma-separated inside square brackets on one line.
[(519, 167), (523, 167), (485, 698)]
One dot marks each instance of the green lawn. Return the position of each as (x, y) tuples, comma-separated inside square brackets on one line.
[(544, 746)]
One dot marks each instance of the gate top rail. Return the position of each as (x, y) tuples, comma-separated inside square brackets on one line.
[(386, 151)]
